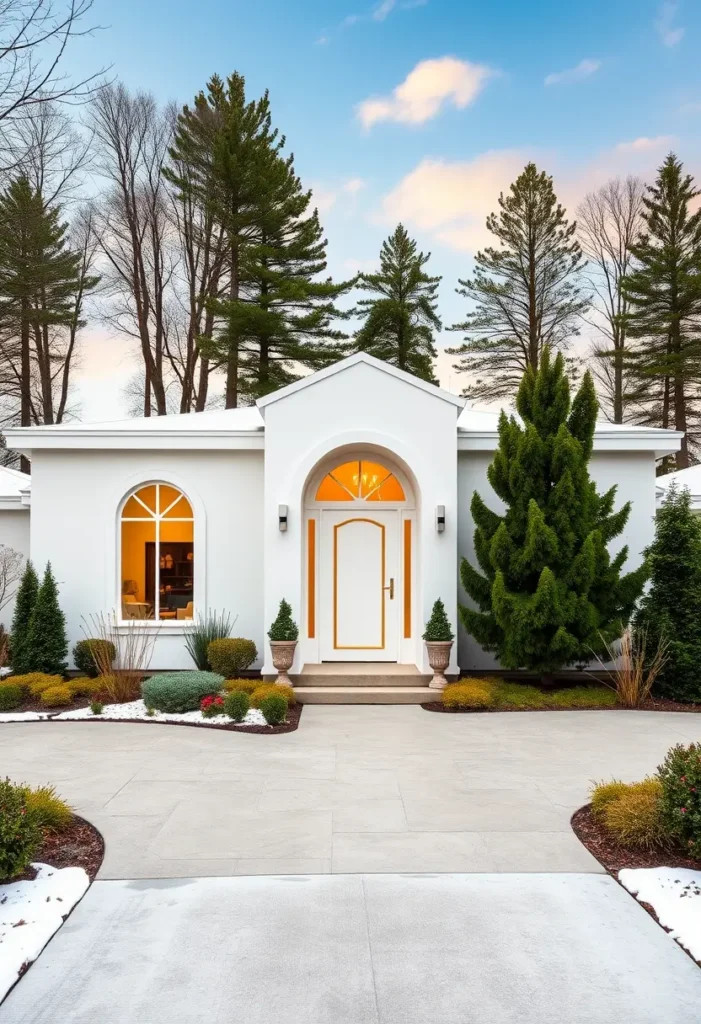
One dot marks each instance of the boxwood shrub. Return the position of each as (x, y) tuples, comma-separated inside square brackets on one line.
[(10, 696), (231, 656), (85, 652), (274, 708), (20, 834), (178, 692), (236, 705)]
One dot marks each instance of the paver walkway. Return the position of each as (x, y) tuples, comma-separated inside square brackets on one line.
[(355, 789), (446, 949)]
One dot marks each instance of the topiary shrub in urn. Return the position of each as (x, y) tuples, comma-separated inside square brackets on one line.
[(283, 640), (439, 641)]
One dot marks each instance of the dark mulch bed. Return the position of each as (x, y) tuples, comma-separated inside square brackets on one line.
[(653, 704), (78, 846), (614, 857), (35, 704)]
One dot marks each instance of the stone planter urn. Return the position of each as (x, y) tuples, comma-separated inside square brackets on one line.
[(283, 656), (439, 659)]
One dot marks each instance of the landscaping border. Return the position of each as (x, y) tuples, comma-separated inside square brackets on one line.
[(657, 704)]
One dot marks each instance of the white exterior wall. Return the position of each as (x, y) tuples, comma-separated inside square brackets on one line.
[(633, 472), (14, 533), (361, 406), (74, 523)]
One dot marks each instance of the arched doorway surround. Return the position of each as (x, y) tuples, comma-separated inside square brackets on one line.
[(360, 558)]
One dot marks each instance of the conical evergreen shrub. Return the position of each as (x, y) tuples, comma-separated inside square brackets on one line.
[(671, 609), (438, 628), (47, 645), (549, 594), (24, 606), (284, 627)]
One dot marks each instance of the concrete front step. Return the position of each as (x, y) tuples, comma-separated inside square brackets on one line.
[(350, 679), (365, 694)]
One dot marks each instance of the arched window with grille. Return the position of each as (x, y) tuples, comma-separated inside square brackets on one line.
[(157, 560)]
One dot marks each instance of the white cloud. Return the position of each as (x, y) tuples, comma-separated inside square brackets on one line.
[(584, 69), (383, 9), (669, 33), (646, 144), (325, 198), (452, 200), (425, 90)]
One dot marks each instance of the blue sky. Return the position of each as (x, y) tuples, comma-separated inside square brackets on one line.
[(424, 110)]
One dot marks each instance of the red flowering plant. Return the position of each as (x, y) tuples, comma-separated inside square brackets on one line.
[(211, 706), (680, 775)]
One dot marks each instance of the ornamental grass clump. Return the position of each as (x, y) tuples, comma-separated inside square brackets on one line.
[(469, 694), (179, 692), (680, 777), (121, 677), (231, 656), (635, 819), (202, 631), (261, 692), (274, 708), (603, 793), (637, 666), (20, 834), (237, 705), (47, 808)]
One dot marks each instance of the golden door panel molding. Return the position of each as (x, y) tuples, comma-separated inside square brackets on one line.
[(347, 594)]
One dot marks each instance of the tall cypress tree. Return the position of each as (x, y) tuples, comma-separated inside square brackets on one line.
[(284, 314), (24, 606), (664, 291), (399, 323), (47, 645), (671, 609), (524, 289), (549, 593)]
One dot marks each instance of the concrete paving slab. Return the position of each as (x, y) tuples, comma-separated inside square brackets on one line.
[(448, 949)]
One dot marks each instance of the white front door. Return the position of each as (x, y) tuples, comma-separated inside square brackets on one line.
[(359, 585)]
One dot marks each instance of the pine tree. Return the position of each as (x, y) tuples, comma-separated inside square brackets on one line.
[(664, 291), (284, 314), (399, 323), (24, 606), (671, 608), (47, 645), (524, 291), (550, 594)]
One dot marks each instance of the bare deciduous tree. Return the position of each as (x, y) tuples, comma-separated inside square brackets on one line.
[(609, 221), (132, 224), (11, 568)]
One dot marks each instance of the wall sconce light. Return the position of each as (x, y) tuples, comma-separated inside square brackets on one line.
[(440, 518), (282, 517)]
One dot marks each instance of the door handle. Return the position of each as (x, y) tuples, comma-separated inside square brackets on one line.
[(390, 588)]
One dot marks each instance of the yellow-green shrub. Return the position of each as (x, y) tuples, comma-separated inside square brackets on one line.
[(47, 808), (82, 686), (635, 818), (604, 793), (264, 691), (519, 695), (470, 693), (56, 696), (248, 686), (583, 697), (35, 683)]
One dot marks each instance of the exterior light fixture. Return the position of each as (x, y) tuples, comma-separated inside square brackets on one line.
[(282, 518), (440, 518)]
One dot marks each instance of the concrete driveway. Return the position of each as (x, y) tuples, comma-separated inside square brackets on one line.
[(354, 789), (353, 949)]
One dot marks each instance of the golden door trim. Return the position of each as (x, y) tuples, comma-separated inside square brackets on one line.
[(407, 579), (311, 579), (356, 647)]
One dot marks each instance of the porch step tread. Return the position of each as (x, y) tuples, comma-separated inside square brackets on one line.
[(365, 694), (351, 681), (359, 668)]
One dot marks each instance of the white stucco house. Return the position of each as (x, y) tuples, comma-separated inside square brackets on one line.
[(14, 522), (689, 478), (347, 493)]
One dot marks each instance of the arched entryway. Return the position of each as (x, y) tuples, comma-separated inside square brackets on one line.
[(360, 513)]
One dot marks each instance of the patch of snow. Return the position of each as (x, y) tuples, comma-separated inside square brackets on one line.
[(30, 913), (136, 711), (4, 672), (675, 896), (24, 716)]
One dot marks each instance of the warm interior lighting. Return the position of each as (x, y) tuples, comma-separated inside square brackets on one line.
[(158, 566), (360, 480)]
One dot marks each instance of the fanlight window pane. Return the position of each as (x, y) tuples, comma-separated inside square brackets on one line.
[(360, 479), (158, 566)]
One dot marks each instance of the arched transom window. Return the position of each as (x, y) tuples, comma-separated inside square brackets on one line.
[(360, 479), (157, 554)]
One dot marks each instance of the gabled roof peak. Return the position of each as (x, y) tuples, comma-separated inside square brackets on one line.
[(347, 363)]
